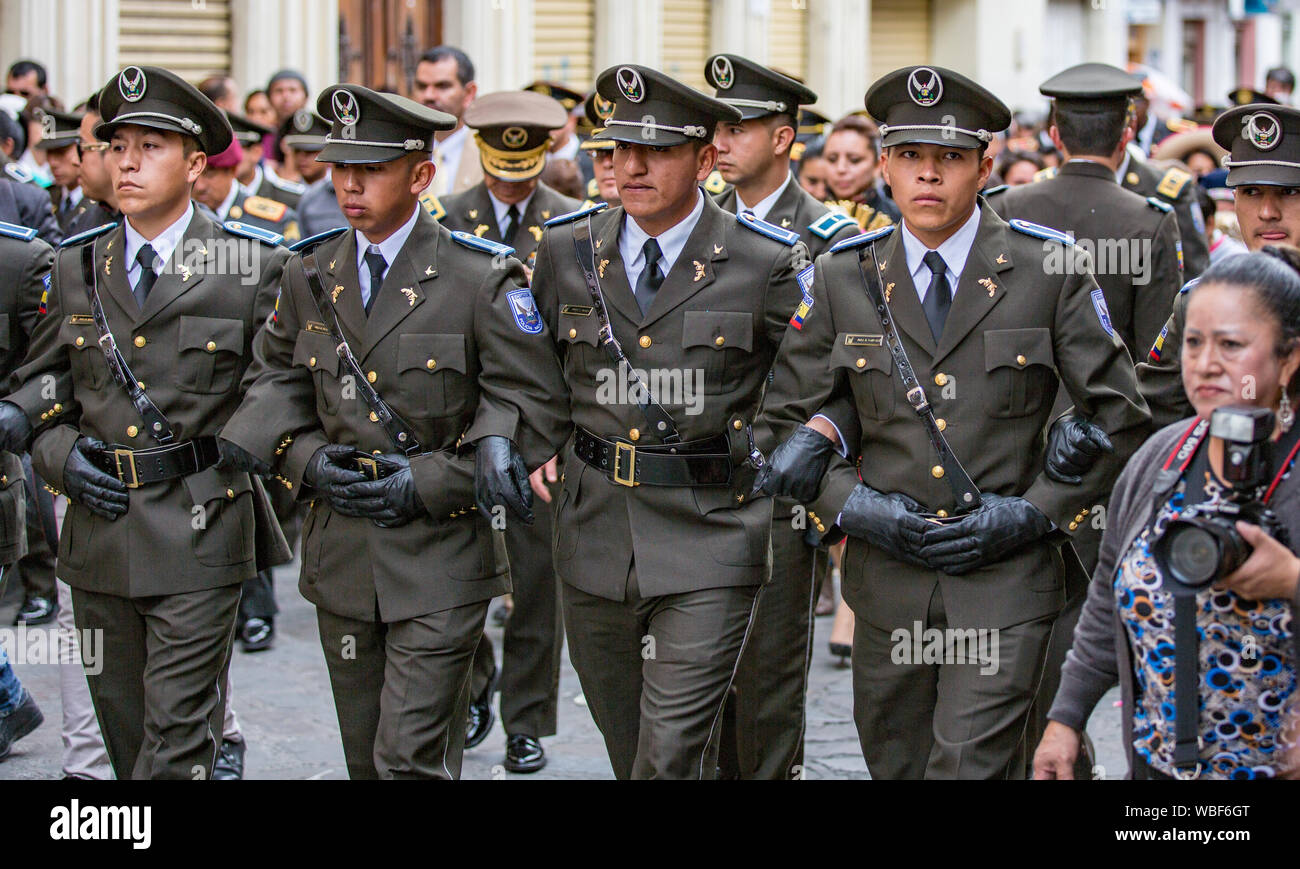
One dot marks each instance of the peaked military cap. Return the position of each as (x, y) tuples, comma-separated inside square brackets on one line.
[(561, 93), (513, 131), (651, 108), (597, 109), (58, 130), (1250, 97), (370, 127), (1092, 86), (812, 123), (937, 106), (304, 130), (150, 96), (247, 132), (1263, 145), (753, 88)]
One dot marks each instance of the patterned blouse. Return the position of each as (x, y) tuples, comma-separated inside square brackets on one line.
[(1247, 662)]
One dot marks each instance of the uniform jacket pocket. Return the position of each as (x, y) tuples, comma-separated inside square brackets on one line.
[(1020, 365), (729, 339), (210, 352), (431, 373), (866, 362)]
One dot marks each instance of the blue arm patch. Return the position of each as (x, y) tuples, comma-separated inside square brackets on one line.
[(83, 237), (253, 232), (484, 244), (1039, 231), (864, 238), (574, 215), (13, 230), (830, 223), (320, 237), (762, 227)]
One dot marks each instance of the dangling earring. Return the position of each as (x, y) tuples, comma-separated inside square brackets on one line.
[(1285, 414)]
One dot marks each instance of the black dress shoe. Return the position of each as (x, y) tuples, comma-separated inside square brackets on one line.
[(36, 611), (257, 634), (481, 716), (524, 753), (22, 720), (230, 762)]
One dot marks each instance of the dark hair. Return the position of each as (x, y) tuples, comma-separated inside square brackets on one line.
[(864, 127), (464, 66), (92, 103), (1273, 275), (215, 87), (287, 75), (812, 152), (1010, 158), (11, 129), (1281, 75), (1090, 133), (27, 67), (248, 98)]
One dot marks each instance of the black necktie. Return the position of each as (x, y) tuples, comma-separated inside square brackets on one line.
[(376, 262), (650, 280), (148, 277), (512, 224), (938, 299)]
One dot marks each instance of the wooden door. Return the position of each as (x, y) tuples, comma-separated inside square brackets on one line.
[(380, 41)]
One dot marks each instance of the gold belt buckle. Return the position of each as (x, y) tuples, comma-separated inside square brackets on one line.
[(368, 466), (621, 449), (134, 482)]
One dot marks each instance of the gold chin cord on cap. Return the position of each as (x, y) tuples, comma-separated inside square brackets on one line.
[(512, 165)]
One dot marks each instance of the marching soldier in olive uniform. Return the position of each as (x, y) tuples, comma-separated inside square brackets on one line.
[(255, 180), (219, 189), (765, 724), (395, 348), (1178, 188), (941, 379), (659, 545), (144, 368), (60, 132)]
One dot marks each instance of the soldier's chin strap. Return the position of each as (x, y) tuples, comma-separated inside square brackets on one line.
[(659, 420), (964, 491), (155, 421)]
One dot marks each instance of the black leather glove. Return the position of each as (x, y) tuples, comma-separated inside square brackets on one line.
[(996, 528), (891, 522), (796, 467), (500, 477), (15, 429), (236, 458), (1073, 447), (389, 502), (331, 466), (103, 494)]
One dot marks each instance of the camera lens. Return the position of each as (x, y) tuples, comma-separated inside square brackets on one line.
[(1194, 555)]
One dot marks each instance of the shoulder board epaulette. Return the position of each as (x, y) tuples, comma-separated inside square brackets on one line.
[(286, 185), (88, 235), (574, 215), (265, 209), (19, 174), (432, 205), (319, 238), (762, 227), (1044, 174), (1181, 125), (1187, 287), (715, 183), (860, 240), (1172, 184), (253, 232), (484, 244), (1039, 231), (993, 191), (830, 223), (13, 230), (1159, 204)]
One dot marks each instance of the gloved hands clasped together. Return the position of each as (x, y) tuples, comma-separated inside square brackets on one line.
[(390, 501)]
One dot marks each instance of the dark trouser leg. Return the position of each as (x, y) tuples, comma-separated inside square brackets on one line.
[(425, 699), (36, 568), (531, 646), (354, 654), (258, 598), (696, 640), (772, 680), (117, 690)]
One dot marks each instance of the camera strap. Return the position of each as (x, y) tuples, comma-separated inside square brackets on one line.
[(1180, 459)]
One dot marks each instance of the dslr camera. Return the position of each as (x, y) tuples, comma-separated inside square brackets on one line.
[(1202, 545)]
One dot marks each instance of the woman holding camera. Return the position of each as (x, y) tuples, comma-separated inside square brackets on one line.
[(1241, 349)]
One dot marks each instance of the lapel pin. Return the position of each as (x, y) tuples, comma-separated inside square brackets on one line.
[(108, 266), (428, 272), (332, 264), (185, 273), (1002, 259), (883, 264), (598, 241), (480, 229), (603, 263), (410, 296), (473, 214), (717, 249), (334, 294), (536, 231), (889, 291), (987, 283), (108, 246), (546, 215), (699, 270), (785, 222)]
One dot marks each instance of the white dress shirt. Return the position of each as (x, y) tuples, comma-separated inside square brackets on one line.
[(502, 209), (164, 244), (71, 198), (224, 211), (763, 208), (671, 242), (389, 248), (447, 157), (954, 252)]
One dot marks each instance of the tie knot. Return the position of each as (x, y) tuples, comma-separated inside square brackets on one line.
[(934, 262), (651, 252), (147, 258)]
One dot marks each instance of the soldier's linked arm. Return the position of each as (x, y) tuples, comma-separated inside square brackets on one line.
[(1096, 370), (1160, 375), (1155, 299)]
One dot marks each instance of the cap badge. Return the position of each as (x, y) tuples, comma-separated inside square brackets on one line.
[(604, 108), (723, 75), (131, 84), (514, 137), (345, 108), (47, 125), (1263, 130), (302, 120), (630, 84), (924, 86)]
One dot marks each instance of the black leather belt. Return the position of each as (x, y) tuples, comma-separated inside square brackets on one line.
[(704, 462), (138, 468)]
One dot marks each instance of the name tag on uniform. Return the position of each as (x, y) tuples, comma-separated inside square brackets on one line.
[(864, 340), (81, 320), (577, 310), (317, 328)]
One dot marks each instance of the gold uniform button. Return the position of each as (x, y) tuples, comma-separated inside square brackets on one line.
[(941, 424), (431, 364), (45, 415), (211, 346), (58, 408), (140, 383), (942, 514), (573, 333), (132, 431), (861, 363), (720, 340), (821, 529), (1021, 360), (312, 362), (738, 424), (139, 341), (1074, 526), (937, 472), (634, 434), (374, 417), (230, 493), (371, 376), (645, 341), (941, 379), (80, 342)]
